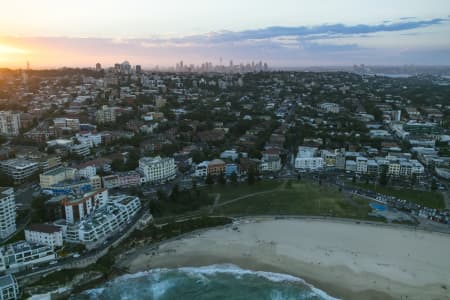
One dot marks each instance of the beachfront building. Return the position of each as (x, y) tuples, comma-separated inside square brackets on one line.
[(7, 212), (9, 289), (9, 123), (19, 169), (157, 169), (44, 234), (20, 255), (201, 170), (361, 165), (216, 167), (103, 222), (77, 208), (307, 160)]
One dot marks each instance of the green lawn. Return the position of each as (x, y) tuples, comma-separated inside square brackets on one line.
[(432, 199), (231, 191), (302, 198)]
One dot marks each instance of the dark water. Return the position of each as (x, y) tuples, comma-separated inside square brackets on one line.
[(210, 282)]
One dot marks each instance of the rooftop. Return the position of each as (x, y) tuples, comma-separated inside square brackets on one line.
[(43, 228), (6, 280)]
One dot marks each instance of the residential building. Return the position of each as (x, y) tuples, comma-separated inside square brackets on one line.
[(67, 124), (9, 123), (229, 154), (103, 222), (216, 167), (22, 254), (106, 115), (201, 170), (49, 162), (306, 159), (230, 169), (55, 176), (91, 139), (76, 208), (157, 169), (330, 107), (44, 234), (110, 181), (271, 161), (87, 171), (96, 182), (7, 212), (361, 165), (9, 289), (80, 149), (19, 169)]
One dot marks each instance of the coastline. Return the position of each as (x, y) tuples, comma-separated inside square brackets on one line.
[(332, 255)]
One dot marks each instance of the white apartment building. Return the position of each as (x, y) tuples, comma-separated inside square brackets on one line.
[(87, 172), (66, 123), (105, 221), (81, 149), (309, 163), (306, 159), (57, 175), (7, 212), (9, 289), (106, 115), (9, 123), (330, 107), (92, 140), (44, 234), (201, 170), (157, 169), (19, 255), (77, 208), (19, 169), (96, 182), (361, 165)]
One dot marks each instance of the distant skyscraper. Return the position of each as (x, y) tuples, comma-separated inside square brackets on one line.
[(98, 67), (138, 69)]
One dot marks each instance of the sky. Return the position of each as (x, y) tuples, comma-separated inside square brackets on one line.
[(285, 33)]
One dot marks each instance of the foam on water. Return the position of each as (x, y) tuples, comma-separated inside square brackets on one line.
[(165, 283)]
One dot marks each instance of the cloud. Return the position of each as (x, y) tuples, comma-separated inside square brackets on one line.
[(279, 45), (311, 32)]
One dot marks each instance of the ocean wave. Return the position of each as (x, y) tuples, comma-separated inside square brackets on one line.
[(237, 271), (163, 280)]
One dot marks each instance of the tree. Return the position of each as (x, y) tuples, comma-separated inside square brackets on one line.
[(233, 178), (209, 180), (251, 176), (222, 179), (5, 180), (383, 180), (434, 184), (413, 179)]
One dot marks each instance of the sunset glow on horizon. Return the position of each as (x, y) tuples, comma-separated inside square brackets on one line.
[(51, 33)]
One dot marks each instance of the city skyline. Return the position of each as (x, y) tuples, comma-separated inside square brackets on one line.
[(286, 34)]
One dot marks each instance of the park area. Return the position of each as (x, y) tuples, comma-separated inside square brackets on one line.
[(288, 198)]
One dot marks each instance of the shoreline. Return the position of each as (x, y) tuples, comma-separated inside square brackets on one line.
[(340, 272)]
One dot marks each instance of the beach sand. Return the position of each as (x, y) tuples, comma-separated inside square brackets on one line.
[(343, 258)]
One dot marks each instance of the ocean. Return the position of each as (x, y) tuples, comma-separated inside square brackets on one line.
[(204, 283)]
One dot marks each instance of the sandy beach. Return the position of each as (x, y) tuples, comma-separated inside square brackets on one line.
[(345, 259)]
